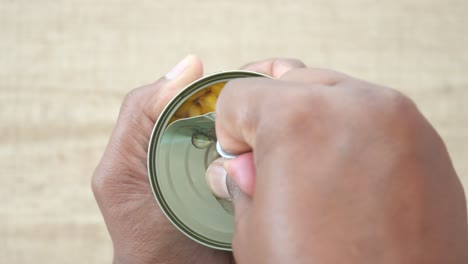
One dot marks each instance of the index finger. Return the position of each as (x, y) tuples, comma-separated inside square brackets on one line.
[(242, 105), (246, 104)]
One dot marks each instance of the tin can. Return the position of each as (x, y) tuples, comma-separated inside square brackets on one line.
[(179, 152)]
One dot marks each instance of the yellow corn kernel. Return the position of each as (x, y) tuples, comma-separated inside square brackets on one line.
[(201, 102), (208, 109), (183, 109), (208, 102), (198, 94), (217, 88), (195, 110), (173, 119)]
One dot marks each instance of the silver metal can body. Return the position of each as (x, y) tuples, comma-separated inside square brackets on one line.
[(178, 156)]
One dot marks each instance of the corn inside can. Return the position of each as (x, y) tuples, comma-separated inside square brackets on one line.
[(182, 145)]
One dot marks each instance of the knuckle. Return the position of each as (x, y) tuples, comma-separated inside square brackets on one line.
[(391, 110), (130, 98), (147, 101), (133, 99), (403, 102), (288, 62), (100, 180), (398, 105), (96, 183), (104, 186), (104, 180), (378, 101), (280, 66), (395, 98)]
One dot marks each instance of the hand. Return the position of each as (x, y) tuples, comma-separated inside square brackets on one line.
[(334, 169), (139, 230)]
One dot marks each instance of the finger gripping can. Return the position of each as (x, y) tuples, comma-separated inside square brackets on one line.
[(181, 147)]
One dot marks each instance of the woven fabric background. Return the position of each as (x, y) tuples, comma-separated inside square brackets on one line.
[(65, 66)]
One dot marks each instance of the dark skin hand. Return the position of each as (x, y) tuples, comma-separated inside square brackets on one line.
[(139, 230), (332, 169)]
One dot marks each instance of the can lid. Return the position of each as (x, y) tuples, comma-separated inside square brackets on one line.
[(178, 156), (184, 192)]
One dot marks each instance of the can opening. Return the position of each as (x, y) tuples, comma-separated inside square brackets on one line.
[(200, 103)]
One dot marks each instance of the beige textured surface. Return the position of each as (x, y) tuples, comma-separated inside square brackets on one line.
[(66, 65)]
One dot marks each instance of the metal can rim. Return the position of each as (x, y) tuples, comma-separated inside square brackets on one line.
[(156, 134)]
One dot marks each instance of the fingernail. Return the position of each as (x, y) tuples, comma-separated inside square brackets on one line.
[(216, 179), (178, 69)]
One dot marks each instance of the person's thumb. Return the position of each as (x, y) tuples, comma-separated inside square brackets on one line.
[(227, 187), (237, 185), (158, 94), (216, 178), (241, 171)]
